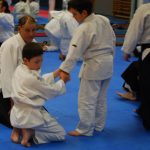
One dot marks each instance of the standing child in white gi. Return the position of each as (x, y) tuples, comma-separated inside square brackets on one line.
[(29, 93), (94, 41)]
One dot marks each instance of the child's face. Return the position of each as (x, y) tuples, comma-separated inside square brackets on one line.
[(79, 16), (34, 63)]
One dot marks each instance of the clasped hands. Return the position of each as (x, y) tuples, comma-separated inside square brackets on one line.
[(62, 74)]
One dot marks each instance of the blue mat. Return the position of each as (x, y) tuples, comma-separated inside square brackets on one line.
[(123, 130), (119, 39), (115, 20)]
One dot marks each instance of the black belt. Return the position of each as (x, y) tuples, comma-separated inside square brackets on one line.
[(144, 46)]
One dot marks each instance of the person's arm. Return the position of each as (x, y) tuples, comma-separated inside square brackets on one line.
[(78, 45), (134, 33), (51, 6), (9, 62), (44, 88), (71, 23), (7, 20)]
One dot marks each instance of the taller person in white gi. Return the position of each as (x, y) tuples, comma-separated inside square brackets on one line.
[(94, 41), (10, 58), (139, 33)]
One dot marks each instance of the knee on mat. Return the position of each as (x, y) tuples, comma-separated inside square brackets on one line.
[(62, 136)]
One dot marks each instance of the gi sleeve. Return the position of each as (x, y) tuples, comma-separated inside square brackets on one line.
[(134, 31), (7, 21), (78, 45), (9, 62), (42, 88)]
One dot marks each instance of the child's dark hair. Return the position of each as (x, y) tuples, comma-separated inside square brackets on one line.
[(81, 5), (31, 50)]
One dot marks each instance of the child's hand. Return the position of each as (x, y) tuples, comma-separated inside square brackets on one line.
[(57, 73), (64, 76)]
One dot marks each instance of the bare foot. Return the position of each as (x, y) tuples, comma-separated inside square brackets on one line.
[(127, 96), (74, 133), (27, 134), (15, 135)]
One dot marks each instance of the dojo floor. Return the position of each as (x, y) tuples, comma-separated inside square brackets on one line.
[(123, 130)]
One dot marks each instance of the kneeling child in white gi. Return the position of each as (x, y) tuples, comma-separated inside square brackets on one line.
[(29, 93)]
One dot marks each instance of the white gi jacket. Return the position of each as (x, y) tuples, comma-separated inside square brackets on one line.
[(93, 40), (53, 26), (34, 9), (139, 29), (10, 58), (68, 25), (21, 9), (6, 26), (62, 27), (29, 93)]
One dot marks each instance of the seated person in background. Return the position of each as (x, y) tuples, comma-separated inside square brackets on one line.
[(6, 22), (30, 91), (26, 7), (60, 30), (21, 9), (131, 84), (34, 8)]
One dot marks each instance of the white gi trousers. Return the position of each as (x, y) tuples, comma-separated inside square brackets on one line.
[(49, 132), (92, 106)]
